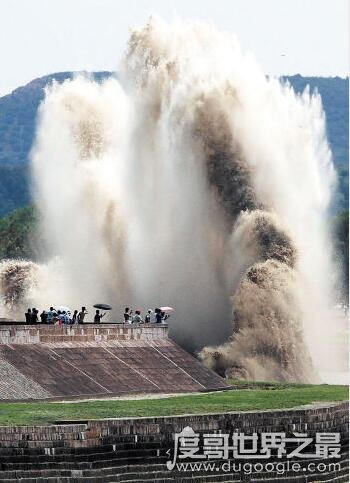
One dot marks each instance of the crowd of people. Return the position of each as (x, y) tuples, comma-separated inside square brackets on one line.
[(59, 317), (151, 317), (64, 317)]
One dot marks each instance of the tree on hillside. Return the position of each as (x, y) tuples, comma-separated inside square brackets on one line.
[(341, 242), (18, 235)]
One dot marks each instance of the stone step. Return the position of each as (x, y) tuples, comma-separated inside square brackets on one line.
[(42, 458), (316, 478), (76, 439), (341, 477), (61, 447), (85, 472), (82, 457), (137, 472), (77, 430), (80, 441), (84, 464), (64, 449), (97, 460), (228, 479)]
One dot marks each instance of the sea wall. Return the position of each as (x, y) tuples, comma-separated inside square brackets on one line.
[(34, 334), (328, 417), (60, 362), (141, 449)]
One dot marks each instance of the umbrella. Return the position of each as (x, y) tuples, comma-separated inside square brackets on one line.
[(103, 306), (167, 310)]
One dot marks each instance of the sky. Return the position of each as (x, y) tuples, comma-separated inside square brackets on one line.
[(39, 37)]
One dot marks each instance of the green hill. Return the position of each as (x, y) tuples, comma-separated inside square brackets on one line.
[(334, 92), (17, 128)]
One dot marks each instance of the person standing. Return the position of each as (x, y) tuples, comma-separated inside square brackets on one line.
[(158, 316), (164, 316), (59, 315), (50, 315), (64, 318), (148, 317), (81, 315), (74, 317), (137, 319), (34, 316), (28, 316), (43, 317), (98, 317), (127, 315)]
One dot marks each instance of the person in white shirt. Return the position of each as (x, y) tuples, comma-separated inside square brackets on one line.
[(148, 317), (137, 319), (164, 317)]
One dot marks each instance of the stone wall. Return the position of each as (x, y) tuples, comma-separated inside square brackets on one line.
[(64, 362), (34, 334), (140, 449), (327, 417)]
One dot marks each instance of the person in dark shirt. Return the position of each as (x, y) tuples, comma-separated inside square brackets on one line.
[(75, 317), (28, 316), (127, 315), (158, 314), (81, 315), (43, 317), (34, 317), (98, 317)]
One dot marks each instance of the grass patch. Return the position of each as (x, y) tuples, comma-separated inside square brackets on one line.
[(265, 384), (283, 396)]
